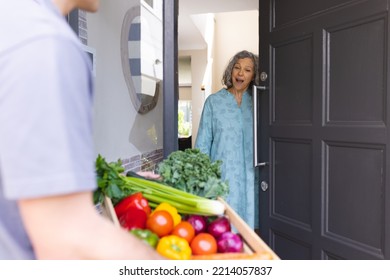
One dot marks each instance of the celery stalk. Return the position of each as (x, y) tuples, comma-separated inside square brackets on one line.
[(184, 202)]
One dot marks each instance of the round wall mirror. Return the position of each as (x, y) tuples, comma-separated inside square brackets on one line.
[(141, 59)]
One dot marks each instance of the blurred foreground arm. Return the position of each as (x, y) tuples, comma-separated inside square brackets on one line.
[(69, 227)]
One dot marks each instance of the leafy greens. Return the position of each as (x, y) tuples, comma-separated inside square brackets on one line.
[(192, 171), (110, 181)]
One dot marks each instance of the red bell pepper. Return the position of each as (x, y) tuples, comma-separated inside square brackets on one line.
[(133, 218), (135, 200)]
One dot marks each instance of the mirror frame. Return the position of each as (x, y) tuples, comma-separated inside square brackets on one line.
[(140, 106)]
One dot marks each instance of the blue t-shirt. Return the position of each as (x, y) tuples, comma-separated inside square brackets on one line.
[(46, 87), (226, 133)]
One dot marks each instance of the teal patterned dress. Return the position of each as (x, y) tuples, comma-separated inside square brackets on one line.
[(226, 133)]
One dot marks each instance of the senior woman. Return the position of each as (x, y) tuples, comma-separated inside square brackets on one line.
[(226, 132)]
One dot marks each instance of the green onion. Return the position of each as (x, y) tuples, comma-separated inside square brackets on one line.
[(184, 202)]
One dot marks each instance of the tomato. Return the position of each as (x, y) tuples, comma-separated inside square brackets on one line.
[(184, 230), (203, 244), (160, 222)]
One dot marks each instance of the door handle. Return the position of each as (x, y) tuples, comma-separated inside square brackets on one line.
[(255, 91)]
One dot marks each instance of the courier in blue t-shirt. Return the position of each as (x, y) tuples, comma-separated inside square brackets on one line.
[(46, 144)]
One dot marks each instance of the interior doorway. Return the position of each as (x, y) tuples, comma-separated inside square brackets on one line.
[(209, 34)]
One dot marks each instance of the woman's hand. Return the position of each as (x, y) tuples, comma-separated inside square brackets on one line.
[(149, 174)]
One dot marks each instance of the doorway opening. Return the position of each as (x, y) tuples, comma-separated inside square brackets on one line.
[(209, 34)]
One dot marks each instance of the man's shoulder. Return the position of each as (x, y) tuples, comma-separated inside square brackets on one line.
[(28, 24)]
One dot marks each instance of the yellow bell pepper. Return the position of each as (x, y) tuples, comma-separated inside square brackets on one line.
[(174, 247), (171, 210)]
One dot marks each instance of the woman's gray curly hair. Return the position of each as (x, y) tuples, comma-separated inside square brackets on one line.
[(227, 75)]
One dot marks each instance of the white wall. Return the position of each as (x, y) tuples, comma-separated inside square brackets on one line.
[(234, 31), (119, 132), (185, 93)]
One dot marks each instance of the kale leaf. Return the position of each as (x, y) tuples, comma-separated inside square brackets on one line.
[(192, 171)]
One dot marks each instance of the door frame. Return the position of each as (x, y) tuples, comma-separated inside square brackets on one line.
[(170, 77)]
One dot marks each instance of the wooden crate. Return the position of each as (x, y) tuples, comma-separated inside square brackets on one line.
[(254, 246), (109, 212)]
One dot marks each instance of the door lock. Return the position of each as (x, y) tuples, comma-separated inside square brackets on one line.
[(263, 76), (264, 186)]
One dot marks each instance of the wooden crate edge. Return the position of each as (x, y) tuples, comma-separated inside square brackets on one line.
[(109, 211), (251, 238)]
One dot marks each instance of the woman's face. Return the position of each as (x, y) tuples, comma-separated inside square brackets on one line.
[(242, 74)]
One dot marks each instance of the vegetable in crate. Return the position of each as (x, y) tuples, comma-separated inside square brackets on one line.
[(198, 222), (203, 244), (134, 200), (219, 226), (160, 222), (184, 230), (171, 210), (174, 247), (133, 211), (229, 242), (147, 236), (109, 180), (192, 171), (133, 218)]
